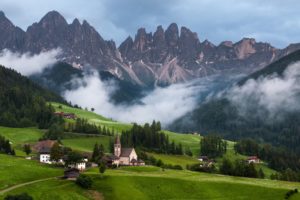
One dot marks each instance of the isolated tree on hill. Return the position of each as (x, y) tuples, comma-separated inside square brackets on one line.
[(102, 168), (226, 167), (23, 196), (261, 173), (251, 171), (188, 152), (56, 152), (92, 109), (73, 158), (55, 132), (27, 149), (84, 181), (98, 152)]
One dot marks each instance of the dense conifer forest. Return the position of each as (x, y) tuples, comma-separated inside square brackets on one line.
[(23, 103)]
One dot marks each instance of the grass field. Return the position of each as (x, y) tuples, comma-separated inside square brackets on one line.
[(21, 135), (53, 189), (92, 117), (153, 183), (187, 140), (148, 182), (181, 160), (86, 144), (14, 170)]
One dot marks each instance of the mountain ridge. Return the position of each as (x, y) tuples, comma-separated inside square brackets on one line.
[(165, 57)]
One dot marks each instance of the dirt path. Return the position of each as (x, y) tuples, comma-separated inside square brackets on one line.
[(24, 184)]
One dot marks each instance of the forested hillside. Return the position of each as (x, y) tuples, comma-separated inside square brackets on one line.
[(23, 103), (220, 115)]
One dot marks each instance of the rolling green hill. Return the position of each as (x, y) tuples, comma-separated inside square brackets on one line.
[(136, 183), (14, 170), (92, 117)]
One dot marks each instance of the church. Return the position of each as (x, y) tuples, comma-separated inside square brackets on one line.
[(124, 156)]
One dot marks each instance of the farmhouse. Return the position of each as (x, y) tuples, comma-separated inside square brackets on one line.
[(81, 165), (66, 115), (123, 156), (253, 159), (44, 149), (71, 173)]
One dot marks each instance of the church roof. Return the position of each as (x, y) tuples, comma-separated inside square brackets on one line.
[(125, 152)]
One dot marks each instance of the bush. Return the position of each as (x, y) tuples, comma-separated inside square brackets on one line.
[(290, 193), (23, 196), (84, 181)]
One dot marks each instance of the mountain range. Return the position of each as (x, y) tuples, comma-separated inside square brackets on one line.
[(163, 57)]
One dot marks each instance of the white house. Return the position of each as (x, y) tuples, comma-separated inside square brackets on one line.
[(45, 155), (253, 159), (44, 149), (80, 166)]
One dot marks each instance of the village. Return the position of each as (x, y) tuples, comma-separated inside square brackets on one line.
[(121, 157)]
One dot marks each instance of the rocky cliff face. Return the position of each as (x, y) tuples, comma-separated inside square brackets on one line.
[(164, 57)]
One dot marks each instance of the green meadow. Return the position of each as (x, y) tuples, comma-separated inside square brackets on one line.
[(181, 160), (92, 117), (147, 182), (85, 143), (14, 170)]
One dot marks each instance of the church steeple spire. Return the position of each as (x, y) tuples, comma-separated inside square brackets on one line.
[(117, 146)]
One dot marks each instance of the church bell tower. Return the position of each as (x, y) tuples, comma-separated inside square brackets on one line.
[(117, 146)]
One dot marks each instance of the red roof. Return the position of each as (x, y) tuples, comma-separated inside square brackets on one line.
[(252, 158), (44, 144)]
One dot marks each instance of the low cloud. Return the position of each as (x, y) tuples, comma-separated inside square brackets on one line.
[(268, 97), (28, 64), (163, 104)]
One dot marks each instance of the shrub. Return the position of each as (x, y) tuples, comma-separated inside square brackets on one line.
[(23, 196), (84, 181)]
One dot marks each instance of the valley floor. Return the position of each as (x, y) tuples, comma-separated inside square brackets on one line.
[(135, 183)]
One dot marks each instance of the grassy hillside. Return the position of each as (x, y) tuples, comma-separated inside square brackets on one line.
[(181, 160), (20, 136), (14, 170), (171, 184), (53, 189), (86, 144), (152, 183), (92, 117), (187, 140)]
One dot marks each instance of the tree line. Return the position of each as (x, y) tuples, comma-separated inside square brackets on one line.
[(281, 159), (212, 146), (240, 168), (83, 126), (150, 137), (23, 103)]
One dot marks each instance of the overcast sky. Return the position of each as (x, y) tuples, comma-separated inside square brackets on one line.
[(274, 21)]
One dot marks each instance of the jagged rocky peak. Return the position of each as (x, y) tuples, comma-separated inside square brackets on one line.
[(142, 40), (4, 21), (76, 23), (2, 14), (207, 43), (172, 34), (11, 36), (187, 34), (159, 37), (245, 47), (226, 43), (53, 18), (126, 46)]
